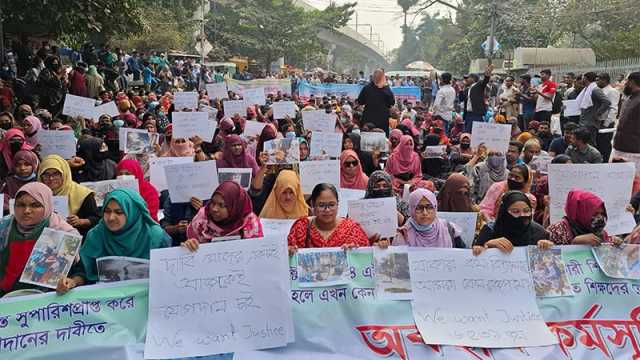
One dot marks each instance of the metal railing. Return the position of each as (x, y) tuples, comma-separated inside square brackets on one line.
[(612, 67)]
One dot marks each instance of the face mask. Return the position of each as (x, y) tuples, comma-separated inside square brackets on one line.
[(118, 123), (15, 146), (519, 221), (437, 130), (515, 185), (5, 126), (464, 146), (102, 155), (598, 223), (495, 161), (627, 90), (105, 127), (291, 135), (380, 193)]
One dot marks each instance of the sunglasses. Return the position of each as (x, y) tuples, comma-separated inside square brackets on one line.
[(352, 163)]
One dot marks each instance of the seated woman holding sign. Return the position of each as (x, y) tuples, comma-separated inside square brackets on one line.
[(228, 214), (33, 211), (514, 226), (83, 210), (286, 200), (126, 229), (404, 164), (325, 229), (584, 222)]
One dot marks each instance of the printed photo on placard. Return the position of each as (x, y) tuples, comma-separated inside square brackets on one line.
[(51, 258), (237, 175), (140, 142), (120, 268), (282, 151), (620, 262), (548, 272), (393, 281), (322, 267)]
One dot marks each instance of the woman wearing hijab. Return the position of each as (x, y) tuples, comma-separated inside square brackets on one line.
[(97, 164), (380, 186), (434, 166), (485, 174), (352, 142), (286, 200), (95, 82), (54, 172), (462, 153), (394, 139), (404, 164), (514, 226), (455, 194), (180, 147), (584, 222), (31, 127), (424, 228), (147, 190), (33, 211), (12, 142), (228, 213), (519, 179), (24, 171), (235, 155), (269, 132), (126, 229), (304, 149), (351, 174)]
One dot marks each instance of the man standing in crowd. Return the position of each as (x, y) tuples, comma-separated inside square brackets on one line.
[(594, 106), (627, 138), (445, 99), (474, 101), (603, 141), (377, 98), (545, 92), (508, 98), (527, 102)]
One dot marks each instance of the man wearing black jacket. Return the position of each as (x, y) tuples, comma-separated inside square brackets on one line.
[(377, 98), (474, 104)]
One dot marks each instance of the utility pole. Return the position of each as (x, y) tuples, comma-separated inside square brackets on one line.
[(1, 37), (202, 38), (492, 32)]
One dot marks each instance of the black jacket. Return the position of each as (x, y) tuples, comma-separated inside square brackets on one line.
[(476, 96)]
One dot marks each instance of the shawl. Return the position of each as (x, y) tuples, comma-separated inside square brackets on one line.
[(76, 192), (287, 179), (403, 159)]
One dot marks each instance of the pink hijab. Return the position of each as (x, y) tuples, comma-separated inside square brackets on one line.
[(184, 149), (229, 160), (434, 235), (6, 149), (36, 125), (404, 159), (42, 194), (359, 180), (408, 123)]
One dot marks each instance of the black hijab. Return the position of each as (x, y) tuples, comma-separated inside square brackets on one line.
[(365, 158), (97, 166), (521, 231)]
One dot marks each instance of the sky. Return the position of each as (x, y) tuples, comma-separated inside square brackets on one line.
[(385, 16)]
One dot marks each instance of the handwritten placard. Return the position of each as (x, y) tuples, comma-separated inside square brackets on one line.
[(254, 96), (253, 128), (102, 188), (232, 107), (57, 142), (109, 108), (79, 106), (282, 109), (313, 173), (571, 108), (242, 296), (217, 90), (326, 144), (61, 205), (373, 141), (612, 182), (189, 124), (375, 217), (465, 221), (185, 100), (157, 176), (346, 195), (188, 180), (540, 163), (319, 121), (495, 137), (276, 227), (443, 281)]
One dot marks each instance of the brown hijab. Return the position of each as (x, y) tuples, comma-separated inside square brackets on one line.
[(451, 198)]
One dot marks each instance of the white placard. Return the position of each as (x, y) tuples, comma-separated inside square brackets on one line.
[(217, 90), (571, 108), (185, 100), (12, 204), (241, 176), (281, 109), (612, 182), (198, 179), (61, 205), (540, 163), (109, 108), (79, 106), (189, 124), (319, 121), (372, 141), (346, 195), (212, 112), (466, 222), (313, 173), (435, 152), (57, 142), (242, 293), (102, 188), (495, 137), (157, 176), (375, 217), (137, 141), (232, 107), (391, 265), (276, 227), (283, 151), (253, 128), (2, 202), (444, 280), (254, 96), (326, 144)]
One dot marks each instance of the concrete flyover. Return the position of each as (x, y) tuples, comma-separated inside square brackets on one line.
[(346, 38)]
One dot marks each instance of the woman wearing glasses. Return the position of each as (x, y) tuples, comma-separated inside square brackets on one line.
[(325, 228), (351, 174), (514, 226)]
